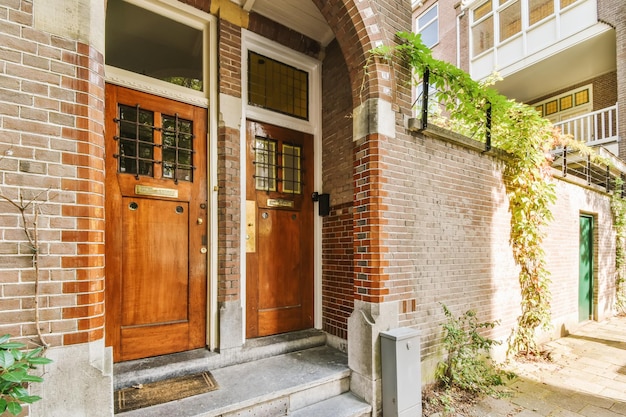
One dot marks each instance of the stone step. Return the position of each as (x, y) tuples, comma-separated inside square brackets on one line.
[(344, 405), (287, 384), (143, 371)]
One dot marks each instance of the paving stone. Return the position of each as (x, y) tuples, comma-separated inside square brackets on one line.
[(587, 377), (593, 411)]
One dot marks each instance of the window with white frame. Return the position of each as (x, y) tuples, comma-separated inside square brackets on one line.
[(427, 25), (496, 21)]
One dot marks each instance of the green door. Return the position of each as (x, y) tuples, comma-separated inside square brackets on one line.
[(585, 285)]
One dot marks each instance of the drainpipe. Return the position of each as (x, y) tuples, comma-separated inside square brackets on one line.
[(458, 36)]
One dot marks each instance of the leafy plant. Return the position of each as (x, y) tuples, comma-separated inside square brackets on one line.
[(15, 365), (618, 209), (468, 365)]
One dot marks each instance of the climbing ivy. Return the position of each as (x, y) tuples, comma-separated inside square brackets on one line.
[(618, 210), (527, 139)]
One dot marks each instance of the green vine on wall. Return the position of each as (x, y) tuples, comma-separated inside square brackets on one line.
[(618, 210), (527, 139)]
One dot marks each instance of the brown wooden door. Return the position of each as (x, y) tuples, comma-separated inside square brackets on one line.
[(279, 230), (156, 212)]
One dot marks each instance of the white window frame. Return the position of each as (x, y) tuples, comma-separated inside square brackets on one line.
[(435, 20), (191, 17), (473, 23)]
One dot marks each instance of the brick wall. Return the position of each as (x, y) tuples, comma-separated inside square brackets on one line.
[(51, 150), (451, 245), (337, 229), (228, 173)]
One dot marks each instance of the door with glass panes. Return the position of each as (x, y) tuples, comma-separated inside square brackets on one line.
[(279, 230), (156, 233)]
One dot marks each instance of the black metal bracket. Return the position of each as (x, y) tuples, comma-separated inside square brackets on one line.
[(323, 208)]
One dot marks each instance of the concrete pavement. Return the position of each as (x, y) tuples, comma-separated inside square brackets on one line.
[(586, 377)]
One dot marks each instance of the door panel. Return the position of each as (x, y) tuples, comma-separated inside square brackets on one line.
[(280, 220), (585, 284), (156, 209), (144, 222)]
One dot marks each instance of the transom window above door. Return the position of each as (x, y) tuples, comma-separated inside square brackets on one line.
[(154, 144), (151, 44), (276, 86)]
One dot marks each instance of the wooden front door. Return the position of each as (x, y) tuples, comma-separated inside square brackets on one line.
[(279, 230), (156, 233)]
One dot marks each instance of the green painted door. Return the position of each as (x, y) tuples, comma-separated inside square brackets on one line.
[(585, 283)]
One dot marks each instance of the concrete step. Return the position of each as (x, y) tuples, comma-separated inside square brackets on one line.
[(344, 405), (143, 371), (282, 385)]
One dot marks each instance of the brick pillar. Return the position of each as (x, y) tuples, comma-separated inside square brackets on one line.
[(52, 144), (229, 193), (374, 123)]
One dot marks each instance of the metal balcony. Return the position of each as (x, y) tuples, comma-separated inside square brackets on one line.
[(597, 129)]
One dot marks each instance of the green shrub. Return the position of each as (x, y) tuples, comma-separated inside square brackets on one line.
[(15, 365), (468, 365)]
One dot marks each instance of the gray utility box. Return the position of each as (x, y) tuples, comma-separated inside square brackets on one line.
[(402, 376)]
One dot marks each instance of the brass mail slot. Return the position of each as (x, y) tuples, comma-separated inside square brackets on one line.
[(156, 191), (279, 202)]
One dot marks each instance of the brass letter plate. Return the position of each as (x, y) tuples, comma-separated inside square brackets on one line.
[(156, 191), (279, 202)]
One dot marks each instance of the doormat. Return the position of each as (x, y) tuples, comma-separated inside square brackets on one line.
[(146, 395)]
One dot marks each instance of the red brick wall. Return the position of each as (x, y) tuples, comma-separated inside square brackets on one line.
[(337, 270), (51, 150), (229, 55), (337, 229)]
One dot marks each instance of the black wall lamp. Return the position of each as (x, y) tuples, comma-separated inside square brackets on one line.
[(323, 209)]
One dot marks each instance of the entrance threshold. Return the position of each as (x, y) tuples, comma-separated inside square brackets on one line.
[(143, 371)]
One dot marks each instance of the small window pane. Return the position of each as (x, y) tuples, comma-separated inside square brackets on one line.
[(482, 10), (482, 36), (277, 86), (428, 26), (136, 140), (566, 103), (582, 97), (565, 3), (177, 142), (510, 21), (292, 173), (539, 110), (265, 164), (539, 9), (552, 107)]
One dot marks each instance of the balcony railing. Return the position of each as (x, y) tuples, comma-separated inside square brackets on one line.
[(595, 128)]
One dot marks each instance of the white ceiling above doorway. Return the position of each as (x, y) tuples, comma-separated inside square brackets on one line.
[(300, 15)]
